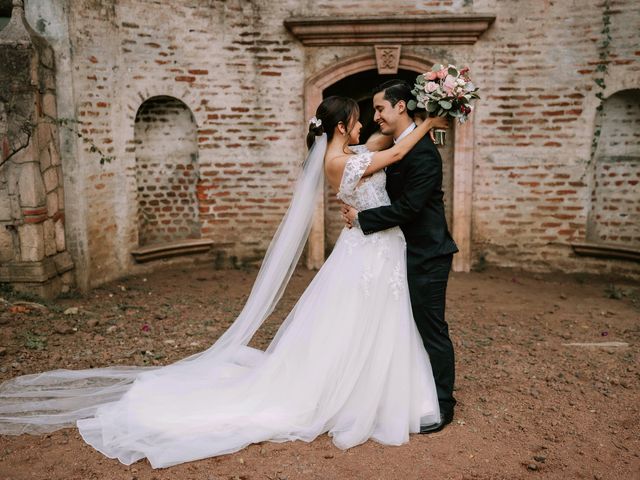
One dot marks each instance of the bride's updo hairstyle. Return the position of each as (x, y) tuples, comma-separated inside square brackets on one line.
[(330, 113)]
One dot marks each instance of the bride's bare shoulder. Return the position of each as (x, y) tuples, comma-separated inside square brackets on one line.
[(337, 162)]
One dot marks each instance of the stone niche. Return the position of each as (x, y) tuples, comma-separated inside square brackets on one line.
[(167, 172), (33, 254), (615, 199)]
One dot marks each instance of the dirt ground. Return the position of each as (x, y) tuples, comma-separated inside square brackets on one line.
[(530, 406)]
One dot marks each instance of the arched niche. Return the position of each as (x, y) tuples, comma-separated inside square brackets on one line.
[(167, 172), (614, 216)]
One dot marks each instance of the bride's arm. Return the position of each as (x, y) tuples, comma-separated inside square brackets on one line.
[(377, 141), (380, 160)]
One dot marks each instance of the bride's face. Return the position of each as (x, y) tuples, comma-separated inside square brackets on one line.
[(354, 131)]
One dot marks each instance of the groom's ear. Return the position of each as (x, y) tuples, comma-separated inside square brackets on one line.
[(402, 106)]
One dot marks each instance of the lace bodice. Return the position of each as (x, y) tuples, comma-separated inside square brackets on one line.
[(365, 194)]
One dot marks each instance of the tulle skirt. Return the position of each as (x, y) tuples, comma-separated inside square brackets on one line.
[(348, 360)]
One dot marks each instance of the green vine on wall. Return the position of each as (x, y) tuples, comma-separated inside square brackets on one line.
[(71, 124), (602, 70), (26, 128)]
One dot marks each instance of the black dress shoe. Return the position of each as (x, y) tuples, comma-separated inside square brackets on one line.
[(436, 427)]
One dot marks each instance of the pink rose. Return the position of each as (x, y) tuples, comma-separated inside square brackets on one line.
[(449, 84), (442, 73), (431, 76), (432, 87)]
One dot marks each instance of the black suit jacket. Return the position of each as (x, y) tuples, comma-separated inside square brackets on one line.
[(414, 185)]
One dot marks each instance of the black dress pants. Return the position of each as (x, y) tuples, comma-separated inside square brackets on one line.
[(428, 294)]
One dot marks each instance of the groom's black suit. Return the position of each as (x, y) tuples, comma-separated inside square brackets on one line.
[(415, 187)]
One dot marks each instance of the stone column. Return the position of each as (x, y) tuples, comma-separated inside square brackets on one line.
[(33, 255)]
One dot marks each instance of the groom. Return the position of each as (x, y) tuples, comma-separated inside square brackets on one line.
[(414, 185)]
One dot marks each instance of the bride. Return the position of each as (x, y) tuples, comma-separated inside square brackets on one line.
[(348, 359)]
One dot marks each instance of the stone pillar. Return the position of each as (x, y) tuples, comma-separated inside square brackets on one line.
[(33, 255)]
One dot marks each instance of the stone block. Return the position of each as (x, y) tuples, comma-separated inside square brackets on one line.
[(68, 281), (44, 132), (31, 242), (31, 186), (5, 205), (52, 203), (50, 179), (16, 211), (60, 192), (49, 104), (49, 238), (54, 154), (7, 249), (45, 159), (26, 153), (28, 271), (63, 262), (60, 238)]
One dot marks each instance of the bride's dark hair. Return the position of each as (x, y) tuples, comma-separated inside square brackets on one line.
[(331, 112)]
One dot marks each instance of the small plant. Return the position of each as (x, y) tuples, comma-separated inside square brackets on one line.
[(34, 341), (614, 292), (481, 264)]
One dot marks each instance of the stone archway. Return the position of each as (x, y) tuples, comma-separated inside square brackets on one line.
[(462, 158)]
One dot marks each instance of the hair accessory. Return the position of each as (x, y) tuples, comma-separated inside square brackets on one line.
[(316, 122)]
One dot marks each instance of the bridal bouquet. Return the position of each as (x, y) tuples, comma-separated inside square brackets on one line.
[(444, 91)]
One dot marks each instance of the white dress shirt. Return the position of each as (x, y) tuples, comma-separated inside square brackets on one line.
[(406, 132)]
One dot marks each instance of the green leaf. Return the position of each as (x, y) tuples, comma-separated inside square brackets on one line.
[(437, 67), (452, 71), (420, 105), (420, 80), (444, 104), (412, 104), (432, 107)]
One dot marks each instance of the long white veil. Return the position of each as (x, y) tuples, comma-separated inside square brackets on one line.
[(51, 400)]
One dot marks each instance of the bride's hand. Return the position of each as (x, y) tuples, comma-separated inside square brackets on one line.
[(438, 122), (434, 122)]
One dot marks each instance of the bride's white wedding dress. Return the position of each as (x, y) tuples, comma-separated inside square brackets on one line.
[(348, 360)]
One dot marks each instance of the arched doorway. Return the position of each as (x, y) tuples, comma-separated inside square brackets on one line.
[(614, 218), (167, 172), (461, 142), (359, 87)]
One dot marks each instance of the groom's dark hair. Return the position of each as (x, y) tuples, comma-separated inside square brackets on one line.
[(394, 91)]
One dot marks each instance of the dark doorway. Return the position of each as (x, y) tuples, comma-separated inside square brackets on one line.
[(359, 87)]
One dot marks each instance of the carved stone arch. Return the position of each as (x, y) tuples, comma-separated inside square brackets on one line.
[(462, 164)]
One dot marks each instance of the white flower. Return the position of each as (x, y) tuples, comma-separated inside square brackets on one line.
[(316, 122)]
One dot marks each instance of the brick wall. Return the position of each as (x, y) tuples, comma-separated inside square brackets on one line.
[(234, 65)]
